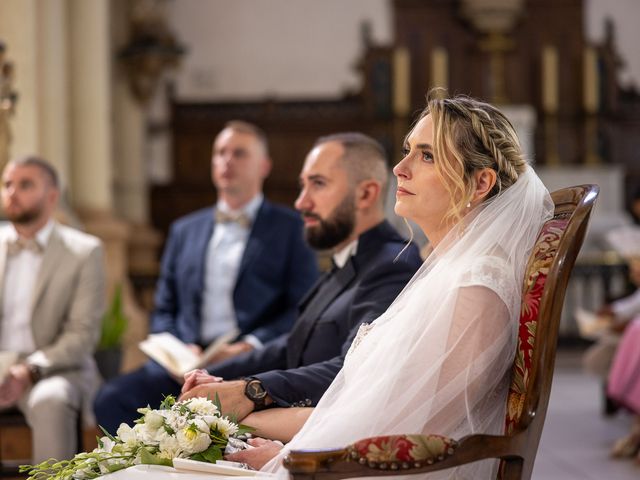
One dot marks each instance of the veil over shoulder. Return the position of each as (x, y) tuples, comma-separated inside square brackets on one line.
[(437, 361)]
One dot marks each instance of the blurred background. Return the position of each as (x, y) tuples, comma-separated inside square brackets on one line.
[(124, 97)]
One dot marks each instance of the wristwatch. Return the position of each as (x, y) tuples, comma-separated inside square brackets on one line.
[(255, 392), (35, 373)]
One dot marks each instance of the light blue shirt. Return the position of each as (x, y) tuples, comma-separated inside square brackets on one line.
[(224, 254)]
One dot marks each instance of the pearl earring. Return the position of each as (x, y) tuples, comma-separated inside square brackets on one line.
[(469, 205)]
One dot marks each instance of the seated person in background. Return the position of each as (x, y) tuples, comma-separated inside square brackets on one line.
[(53, 288), (624, 387), (242, 265), (439, 359), (598, 357), (612, 319), (343, 184)]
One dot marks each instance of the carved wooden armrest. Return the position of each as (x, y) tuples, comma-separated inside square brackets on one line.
[(386, 453)]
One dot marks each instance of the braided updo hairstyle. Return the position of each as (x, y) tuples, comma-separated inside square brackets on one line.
[(472, 135)]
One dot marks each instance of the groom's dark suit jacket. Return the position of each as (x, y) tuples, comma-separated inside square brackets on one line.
[(276, 270), (296, 368)]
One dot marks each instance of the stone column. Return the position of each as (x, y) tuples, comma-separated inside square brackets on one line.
[(90, 99)]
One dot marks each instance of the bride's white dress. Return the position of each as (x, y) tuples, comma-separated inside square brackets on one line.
[(438, 360)]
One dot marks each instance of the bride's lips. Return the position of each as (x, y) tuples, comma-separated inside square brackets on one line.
[(403, 191)]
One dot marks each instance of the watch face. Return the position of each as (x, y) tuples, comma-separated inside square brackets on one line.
[(255, 389)]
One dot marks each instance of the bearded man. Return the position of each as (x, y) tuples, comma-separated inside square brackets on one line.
[(343, 183), (52, 292)]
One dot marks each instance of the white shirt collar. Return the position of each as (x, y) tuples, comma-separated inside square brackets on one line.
[(42, 236), (341, 257), (250, 209)]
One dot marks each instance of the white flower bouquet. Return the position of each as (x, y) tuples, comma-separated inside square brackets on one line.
[(194, 429)]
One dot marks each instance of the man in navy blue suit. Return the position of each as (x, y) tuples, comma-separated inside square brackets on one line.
[(343, 186), (242, 266)]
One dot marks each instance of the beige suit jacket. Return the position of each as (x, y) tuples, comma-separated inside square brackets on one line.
[(68, 300)]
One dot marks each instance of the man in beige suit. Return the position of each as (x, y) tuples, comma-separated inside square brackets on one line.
[(51, 304)]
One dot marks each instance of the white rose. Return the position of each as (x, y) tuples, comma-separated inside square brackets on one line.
[(210, 419), (201, 406), (147, 435), (169, 447), (194, 437), (153, 420)]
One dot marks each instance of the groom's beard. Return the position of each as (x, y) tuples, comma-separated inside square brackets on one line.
[(333, 230)]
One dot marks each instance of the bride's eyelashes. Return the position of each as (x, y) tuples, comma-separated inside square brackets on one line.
[(427, 156)]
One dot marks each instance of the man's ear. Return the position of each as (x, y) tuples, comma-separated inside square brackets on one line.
[(53, 195), (485, 181), (267, 164), (367, 194)]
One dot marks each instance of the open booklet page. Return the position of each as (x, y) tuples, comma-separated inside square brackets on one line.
[(174, 355), (625, 241), (6, 360), (591, 325)]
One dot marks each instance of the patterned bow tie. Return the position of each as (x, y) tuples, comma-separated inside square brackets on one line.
[(15, 247), (241, 218)]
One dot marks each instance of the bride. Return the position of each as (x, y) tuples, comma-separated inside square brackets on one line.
[(438, 360)]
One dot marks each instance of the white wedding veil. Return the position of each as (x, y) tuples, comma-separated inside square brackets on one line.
[(438, 360)]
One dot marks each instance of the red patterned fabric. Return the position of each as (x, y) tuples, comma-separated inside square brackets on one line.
[(404, 448), (535, 278)]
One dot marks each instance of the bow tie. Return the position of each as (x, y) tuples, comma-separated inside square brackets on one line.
[(15, 247), (241, 218)]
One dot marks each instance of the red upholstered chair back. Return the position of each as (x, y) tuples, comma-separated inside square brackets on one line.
[(545, 283)]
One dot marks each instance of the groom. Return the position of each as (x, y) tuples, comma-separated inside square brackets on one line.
[(343, 185)]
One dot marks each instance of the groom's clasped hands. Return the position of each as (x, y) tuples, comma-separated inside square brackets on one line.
[(199, 383)]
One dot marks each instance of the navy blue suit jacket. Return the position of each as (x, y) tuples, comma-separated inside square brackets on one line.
[(299, 366), (276, 270)]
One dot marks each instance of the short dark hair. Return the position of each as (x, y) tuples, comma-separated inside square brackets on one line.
[(41, 163), (246, 127), (364, 157)]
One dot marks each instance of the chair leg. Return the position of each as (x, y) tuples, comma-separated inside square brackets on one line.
[(609, 406), (512, 469)]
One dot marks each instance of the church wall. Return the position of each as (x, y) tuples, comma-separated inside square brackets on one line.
[(247, 49)]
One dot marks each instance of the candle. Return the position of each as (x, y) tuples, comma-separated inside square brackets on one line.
[(401, 81), (550, 80), (439, 67), (591, 83)]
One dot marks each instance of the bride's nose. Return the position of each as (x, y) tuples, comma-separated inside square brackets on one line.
[(401, 170)]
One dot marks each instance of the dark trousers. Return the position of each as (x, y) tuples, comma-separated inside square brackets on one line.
[(118, 400)]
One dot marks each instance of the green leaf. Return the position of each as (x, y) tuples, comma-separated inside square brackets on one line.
[(115, 467), (243, 429), (216, 402), (107, 434), (211, 455), (148, 458), (169, 430)]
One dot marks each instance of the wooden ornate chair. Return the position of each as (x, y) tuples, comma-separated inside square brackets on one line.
[(545, 282)]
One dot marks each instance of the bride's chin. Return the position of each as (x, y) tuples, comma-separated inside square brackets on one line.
[(401, 210)]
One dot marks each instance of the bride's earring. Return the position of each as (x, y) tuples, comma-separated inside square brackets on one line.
[(469, 205)]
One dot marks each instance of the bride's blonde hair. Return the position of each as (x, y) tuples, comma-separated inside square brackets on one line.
[(472, 135)]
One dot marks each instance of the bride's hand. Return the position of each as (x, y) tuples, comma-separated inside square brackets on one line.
[(256, 457), (198, 377)]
